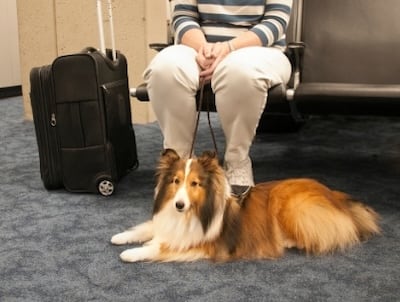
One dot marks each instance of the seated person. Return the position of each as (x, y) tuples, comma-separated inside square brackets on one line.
[(236, 45)]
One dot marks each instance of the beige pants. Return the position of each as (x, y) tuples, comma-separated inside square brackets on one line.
[(240, 83)]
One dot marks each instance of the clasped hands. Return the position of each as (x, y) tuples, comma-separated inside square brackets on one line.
[(209, 56)]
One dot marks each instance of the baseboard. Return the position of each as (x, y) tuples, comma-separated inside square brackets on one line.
[(7, 92)]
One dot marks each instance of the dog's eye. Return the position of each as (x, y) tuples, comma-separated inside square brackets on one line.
[(194, 183), (176, 180)]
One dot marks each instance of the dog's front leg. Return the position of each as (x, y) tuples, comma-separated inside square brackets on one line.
[(155, 251), (140, 233), (147, 252)]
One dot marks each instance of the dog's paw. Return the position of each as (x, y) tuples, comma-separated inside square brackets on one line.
[(122, 238), (131, 255)]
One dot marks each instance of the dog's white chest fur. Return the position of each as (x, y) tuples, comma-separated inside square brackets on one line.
[(177, 230)]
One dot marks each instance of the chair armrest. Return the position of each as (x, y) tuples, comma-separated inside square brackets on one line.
[(295, 52), (158, 46), (140, 93)]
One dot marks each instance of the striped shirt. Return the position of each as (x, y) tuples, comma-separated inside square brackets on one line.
[(222, 20)]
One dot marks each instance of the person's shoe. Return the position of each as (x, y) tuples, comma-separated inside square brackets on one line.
[(240, 177), (240, 174), (240, 192)]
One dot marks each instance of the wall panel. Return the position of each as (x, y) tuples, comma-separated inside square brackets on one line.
[(49, 28)]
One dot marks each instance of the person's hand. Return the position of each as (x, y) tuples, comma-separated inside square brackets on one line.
[(204, 56), (209, 56)]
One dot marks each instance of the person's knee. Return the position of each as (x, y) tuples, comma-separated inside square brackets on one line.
[(234, 74), (233, 70), (172, 63)]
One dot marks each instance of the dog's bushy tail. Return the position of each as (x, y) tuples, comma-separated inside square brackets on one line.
[(323, 226), (365, 219)]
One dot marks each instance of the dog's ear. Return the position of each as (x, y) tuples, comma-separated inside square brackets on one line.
[(209, 160), (210, 154), (167, 159), (168, 156)]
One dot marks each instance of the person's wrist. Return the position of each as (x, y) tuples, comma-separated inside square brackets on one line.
[(231, 46)]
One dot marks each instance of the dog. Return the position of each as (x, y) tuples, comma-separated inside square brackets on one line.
[(196, 217)]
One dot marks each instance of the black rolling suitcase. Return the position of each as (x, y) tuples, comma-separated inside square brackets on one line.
[(82, 116)]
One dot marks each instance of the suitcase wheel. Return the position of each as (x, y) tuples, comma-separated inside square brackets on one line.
[(105, 187)]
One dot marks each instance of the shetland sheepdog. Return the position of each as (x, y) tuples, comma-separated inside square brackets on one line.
[(196, 217)]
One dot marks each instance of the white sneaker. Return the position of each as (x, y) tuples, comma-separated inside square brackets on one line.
[(239, 174)]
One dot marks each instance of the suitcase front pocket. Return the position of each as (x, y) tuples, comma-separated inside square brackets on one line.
[(79, 124), (116, 102), (84, 166), (119, 125)]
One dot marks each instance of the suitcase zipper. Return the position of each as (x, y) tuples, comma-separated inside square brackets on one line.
[(53, 121), (109, 85), (52, 141)]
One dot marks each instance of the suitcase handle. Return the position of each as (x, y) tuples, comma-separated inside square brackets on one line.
[(101, 28), (107, 57), (89, 49)]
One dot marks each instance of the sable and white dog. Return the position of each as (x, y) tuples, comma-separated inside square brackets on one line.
[(195, 217)]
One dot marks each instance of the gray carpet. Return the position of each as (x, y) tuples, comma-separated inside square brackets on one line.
[(55, 245)]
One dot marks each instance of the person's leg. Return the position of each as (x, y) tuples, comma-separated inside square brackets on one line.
[(240, 83), (172, 80)]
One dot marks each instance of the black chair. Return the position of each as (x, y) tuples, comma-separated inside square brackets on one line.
[(350, 63), (345, 60)]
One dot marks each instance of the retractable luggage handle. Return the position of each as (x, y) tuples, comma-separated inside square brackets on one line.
[(101, 28)]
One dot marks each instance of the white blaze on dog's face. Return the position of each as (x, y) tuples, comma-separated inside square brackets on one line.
[(186, 185)]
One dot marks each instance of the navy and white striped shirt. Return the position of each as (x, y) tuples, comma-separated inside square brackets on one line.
[(222, 20)]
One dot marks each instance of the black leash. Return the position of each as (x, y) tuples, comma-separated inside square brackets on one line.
[(200, 105)]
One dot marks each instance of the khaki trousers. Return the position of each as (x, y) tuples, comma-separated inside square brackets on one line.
[(240, 83)]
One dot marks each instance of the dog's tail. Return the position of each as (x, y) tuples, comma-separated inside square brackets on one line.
[(365, 219), (323, 227)]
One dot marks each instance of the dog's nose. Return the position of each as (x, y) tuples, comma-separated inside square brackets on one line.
[(179, 205)]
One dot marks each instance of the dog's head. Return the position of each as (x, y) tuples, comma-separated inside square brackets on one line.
[(194, 186)]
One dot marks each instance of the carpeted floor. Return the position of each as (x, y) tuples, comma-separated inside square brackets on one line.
[(55, 245)]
